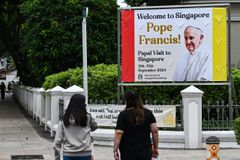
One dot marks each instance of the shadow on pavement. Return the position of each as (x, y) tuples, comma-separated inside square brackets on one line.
[(35, 124)]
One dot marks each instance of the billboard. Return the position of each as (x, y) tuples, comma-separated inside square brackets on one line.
[(176, 44)]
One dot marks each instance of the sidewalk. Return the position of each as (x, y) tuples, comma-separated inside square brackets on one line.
[(20, 134), (17, 135), (105, 153)]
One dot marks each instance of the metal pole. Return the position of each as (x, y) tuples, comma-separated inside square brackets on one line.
[(119, 58), (229, 57), (84, 51)]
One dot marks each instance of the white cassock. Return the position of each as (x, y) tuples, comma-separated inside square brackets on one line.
[(194, 67)]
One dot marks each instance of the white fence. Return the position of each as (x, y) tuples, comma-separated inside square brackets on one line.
[(43, 105)]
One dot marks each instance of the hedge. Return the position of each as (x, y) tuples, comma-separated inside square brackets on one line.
[(103, 85), (102, 81)]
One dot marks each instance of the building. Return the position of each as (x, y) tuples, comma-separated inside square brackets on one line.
[(8, 72)]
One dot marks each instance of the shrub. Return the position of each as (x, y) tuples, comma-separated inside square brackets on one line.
[(62, 79), (102, 81), (237, 129), (103, 84)]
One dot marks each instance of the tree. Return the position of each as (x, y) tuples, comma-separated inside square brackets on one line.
[(44, 37), (10, 21), (153, 2), (51, 34), (163, 2)]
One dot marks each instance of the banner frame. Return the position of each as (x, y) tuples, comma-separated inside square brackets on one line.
[(228, 81)]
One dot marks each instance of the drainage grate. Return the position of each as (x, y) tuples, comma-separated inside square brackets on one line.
[(26, 157)]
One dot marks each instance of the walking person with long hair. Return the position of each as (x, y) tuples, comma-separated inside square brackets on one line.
[(73, 132), (135, 124)]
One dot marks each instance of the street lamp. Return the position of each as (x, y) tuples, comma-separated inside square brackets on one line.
[(84, 52)]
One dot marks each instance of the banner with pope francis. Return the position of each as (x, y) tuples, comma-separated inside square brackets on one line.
[(176, 44)]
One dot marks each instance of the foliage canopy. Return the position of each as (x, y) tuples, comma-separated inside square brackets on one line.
[(44, 37), (51, 35)]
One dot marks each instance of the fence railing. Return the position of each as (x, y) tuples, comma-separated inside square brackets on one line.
[(179, 118), (219, 116), (48, 107), (61, 108)]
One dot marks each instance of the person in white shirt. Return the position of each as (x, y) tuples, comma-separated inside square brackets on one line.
[(73, 137), (196, 65)]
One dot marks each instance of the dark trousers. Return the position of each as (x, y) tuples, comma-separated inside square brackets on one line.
[(77, 157), (143, 155), (2, 95)]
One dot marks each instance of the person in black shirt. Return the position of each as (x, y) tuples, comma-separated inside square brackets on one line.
[(132, 134)]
